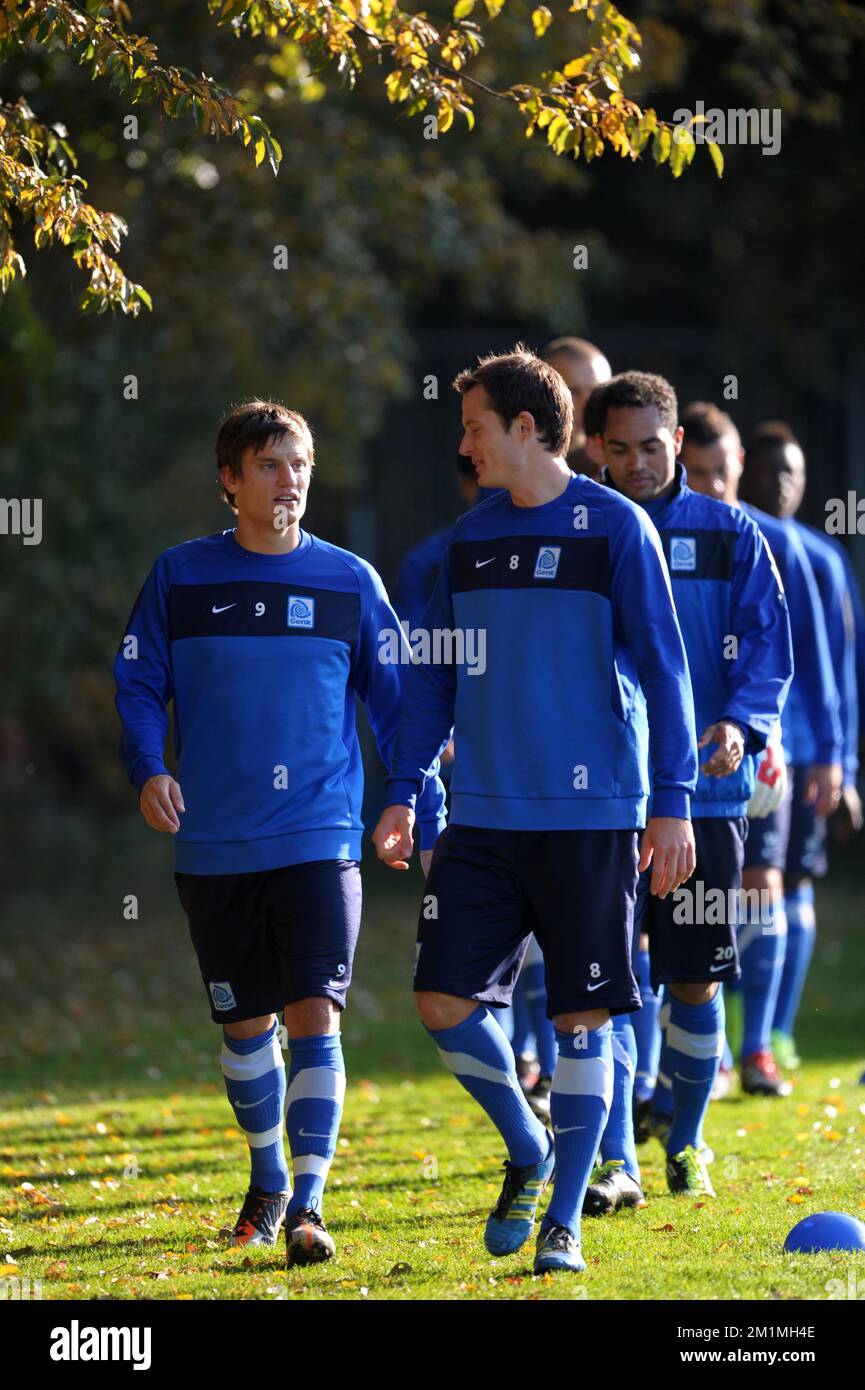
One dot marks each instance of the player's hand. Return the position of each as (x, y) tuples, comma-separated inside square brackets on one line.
[(730, 750), (824, 787), (668, 845), (393, 837), (161, 803), (847, 820), (770, 787)]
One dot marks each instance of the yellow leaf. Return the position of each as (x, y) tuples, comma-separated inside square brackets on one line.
[(717, 159), (541, 20)]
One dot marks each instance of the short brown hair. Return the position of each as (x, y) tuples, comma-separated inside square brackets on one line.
[(253, 425), (705, 423), (517, 381)]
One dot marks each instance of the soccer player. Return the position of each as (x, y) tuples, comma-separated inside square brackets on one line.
[(262, 636), (734, 623), (528, 1017), (811, 738), (774, 480), (582, 367), (585, 672)]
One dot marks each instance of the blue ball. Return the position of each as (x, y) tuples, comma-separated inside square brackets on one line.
[(826, 1230)]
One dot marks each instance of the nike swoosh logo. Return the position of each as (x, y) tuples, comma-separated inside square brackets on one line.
[(713, 969), (225, 609), (307, 1134), (566, 1129), (590, 988), (691, 1082), (248, 1105), (479, 564)]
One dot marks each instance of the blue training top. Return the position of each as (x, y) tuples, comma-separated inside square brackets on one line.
[(726, 586), (810, 723), (583, 659), (263, 656), (838, 611)]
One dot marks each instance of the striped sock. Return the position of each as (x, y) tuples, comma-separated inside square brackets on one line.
[(521, 1032), (481, 1058), (801, 931), (762, 945), (534, 975), (579, 1101), (662, 1096), (255, 1084), (646, 1031), (313, 1108), (618, 1141), (695, 1042)]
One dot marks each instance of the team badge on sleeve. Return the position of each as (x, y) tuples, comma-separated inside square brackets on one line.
[(301, 611), (683, 553), (547, 563)]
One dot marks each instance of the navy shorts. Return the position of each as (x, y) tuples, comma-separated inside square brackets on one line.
[(692, 932), (489, 890), (806, 847), (768, 837), (268, 939)]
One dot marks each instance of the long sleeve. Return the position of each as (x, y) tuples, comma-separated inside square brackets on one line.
[(428, 707), (379, 680), (812, 655), (645, 618), (144, 681), (762, 669)]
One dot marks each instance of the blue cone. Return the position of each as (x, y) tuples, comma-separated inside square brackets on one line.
[(826, 1230)]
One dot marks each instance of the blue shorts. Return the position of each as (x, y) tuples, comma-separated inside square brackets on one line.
[(268, 939), (806, 846), (692, 932), (489, 890), (793, 838), (766, 847)]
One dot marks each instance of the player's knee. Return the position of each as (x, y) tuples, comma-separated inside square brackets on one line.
[(249, 1027), (581, 1022), (311, 1018), (442, 1010), (690, 992)]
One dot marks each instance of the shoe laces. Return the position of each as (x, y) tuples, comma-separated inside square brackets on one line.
[(510, 1187), (557, 1238), (308, 1216), (692, 1163)]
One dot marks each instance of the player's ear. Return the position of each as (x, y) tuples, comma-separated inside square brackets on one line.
[(678, 436), (525, 424), (228, 478)]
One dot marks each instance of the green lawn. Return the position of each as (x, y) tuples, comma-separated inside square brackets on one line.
[(120, 1162)]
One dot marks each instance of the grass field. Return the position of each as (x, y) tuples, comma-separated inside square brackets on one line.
[(120, 1162)]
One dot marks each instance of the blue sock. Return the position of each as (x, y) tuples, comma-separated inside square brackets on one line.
[(521, 1035), (762, 944), (801, 930), (535, 990), (662, 1096), (255, 1084), (313, 1108), (646, 1031), (618, 1140), (695, 1041), (579, 1101), (482, 1060)]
